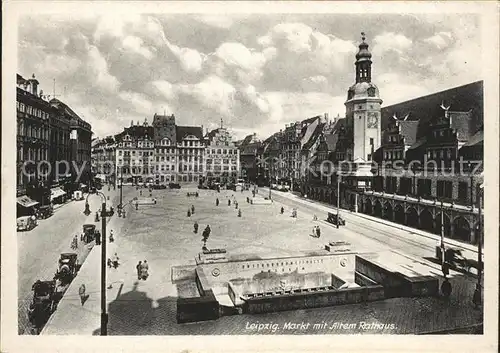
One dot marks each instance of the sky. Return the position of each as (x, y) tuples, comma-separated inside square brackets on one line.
[(256, 72)]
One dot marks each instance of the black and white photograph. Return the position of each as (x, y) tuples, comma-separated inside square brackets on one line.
[(215, 170)]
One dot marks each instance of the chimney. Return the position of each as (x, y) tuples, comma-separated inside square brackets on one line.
[(202, 129)]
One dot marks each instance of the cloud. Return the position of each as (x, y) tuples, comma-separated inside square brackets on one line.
[(135, 44), (305, 52), (440, 40), (390, 41), (256, 72)]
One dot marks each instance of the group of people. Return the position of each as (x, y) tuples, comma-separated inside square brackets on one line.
[(142, 270), (113, 262), (316, 231)]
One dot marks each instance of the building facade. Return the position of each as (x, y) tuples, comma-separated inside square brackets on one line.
[(80, 145), (222, 156), (190, 155), (135, 154), (33, 134), (104, 159)]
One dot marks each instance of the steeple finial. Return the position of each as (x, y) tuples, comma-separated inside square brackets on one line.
[(363, 36), (221, 123)]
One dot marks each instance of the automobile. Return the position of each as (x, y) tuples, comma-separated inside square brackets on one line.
[(335, 219), (68, 266), (26, 223), (45, 211), (174, 185), (88, 232), (43, 303)]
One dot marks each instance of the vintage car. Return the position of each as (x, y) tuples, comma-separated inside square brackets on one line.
[(43, 303), (67, 268), (334, 219), (88, 232), (26, 223), (45, 211), (78, 195), (174, 186)]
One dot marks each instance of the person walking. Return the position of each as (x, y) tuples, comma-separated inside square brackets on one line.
[(97, 238), (138, 268), (282, 210), (144, 270), (217, 202), (192, 209), (115, 260), (195, 227), (229, 202), (318, 231), (74, 243), (111, 238)]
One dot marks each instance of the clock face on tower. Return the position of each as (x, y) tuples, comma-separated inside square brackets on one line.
[(372, 120)]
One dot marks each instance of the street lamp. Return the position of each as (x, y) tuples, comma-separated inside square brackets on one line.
[(104, 314), (338, 198), (477, 292), (471, 175)]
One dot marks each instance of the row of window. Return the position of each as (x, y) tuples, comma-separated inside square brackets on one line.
[(389, 155), (31, 110), (218, 167), (444, 188), (222, 151), (447, 153), (33, 154), (30, 130), (283, 263), (218, 161)]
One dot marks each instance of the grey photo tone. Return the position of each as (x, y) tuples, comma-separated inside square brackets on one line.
[(250, 174)]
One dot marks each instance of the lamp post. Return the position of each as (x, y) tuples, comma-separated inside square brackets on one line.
[(471, 175), (477, 292), (104, 314), (338, 198)]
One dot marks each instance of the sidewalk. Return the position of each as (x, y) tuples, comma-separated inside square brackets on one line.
[(330, 208)]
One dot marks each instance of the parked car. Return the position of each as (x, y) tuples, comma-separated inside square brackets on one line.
[(334, 219), (26, 223), (174, 186), (45, 211)]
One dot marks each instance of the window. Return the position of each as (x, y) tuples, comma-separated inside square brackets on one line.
[(463, 190), (444, 189), (371, 141)]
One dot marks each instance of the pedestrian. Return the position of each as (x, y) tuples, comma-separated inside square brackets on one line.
[(74, 243), (140, 193), (236, 204), (81, 292), (217, 202), (115, 260), (110, 263), (229, 202), (97, 238), (248, 199), (111, 238), (318, 231), (197, 195), (282, 210), (208, 230), (144, 270), (192, 209), (81, 237), (315, 218), (189, 213), (239, 212), (195, 227), (138, 268)]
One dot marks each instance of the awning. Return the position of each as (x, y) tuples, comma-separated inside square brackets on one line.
[(56, 192), (25, 201)]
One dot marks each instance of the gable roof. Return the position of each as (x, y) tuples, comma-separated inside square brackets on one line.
[(460, 122), (409, 129), (184, 131), (315, 134), (476, 139), (463, 98)]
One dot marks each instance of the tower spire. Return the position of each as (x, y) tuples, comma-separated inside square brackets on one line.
[(221, 123), (363, 62)]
